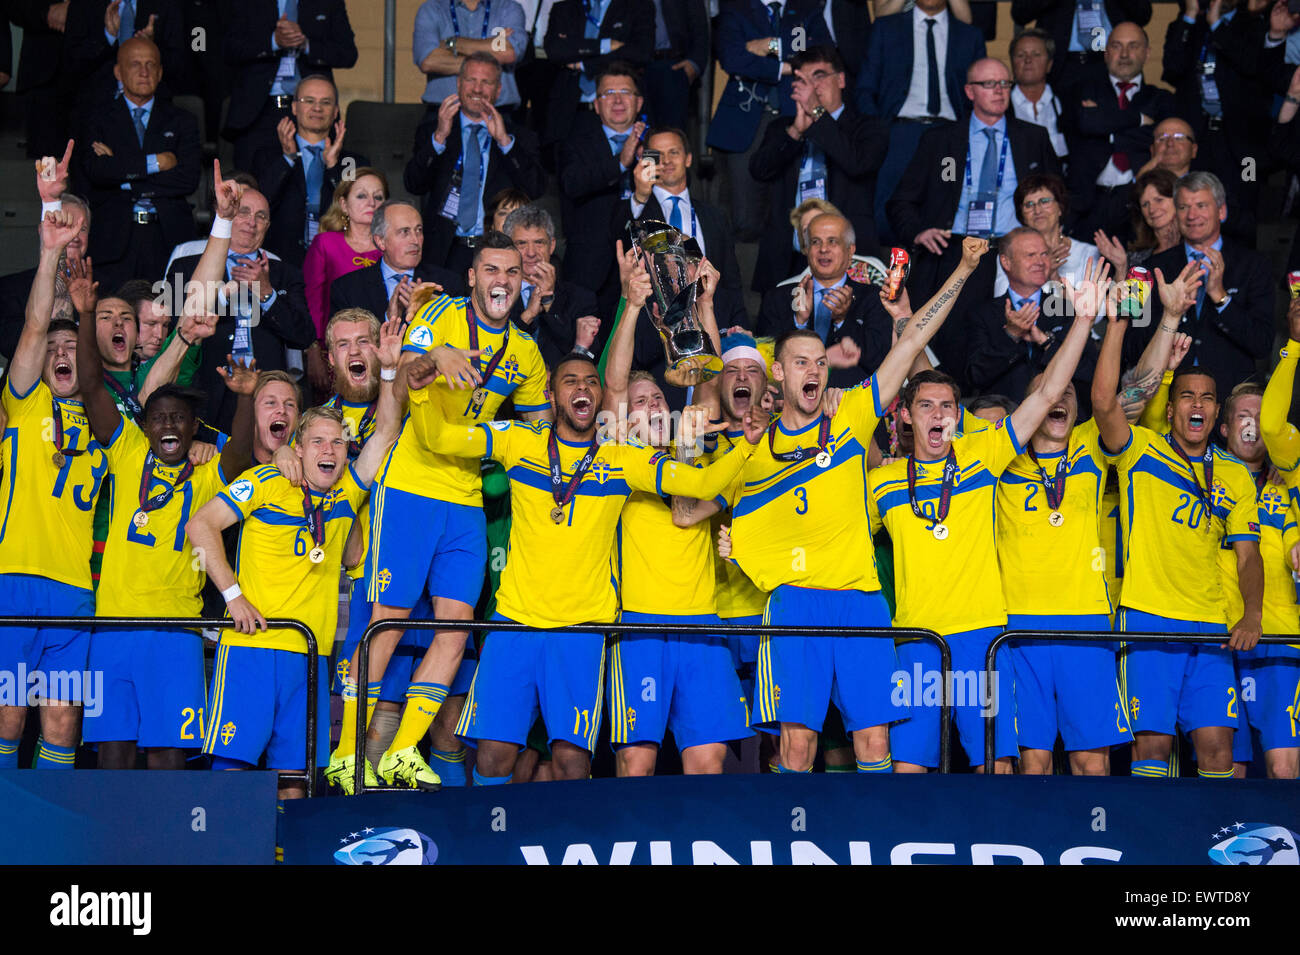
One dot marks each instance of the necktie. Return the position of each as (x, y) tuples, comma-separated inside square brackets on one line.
[(396, 279), (675, 217), (137, 120), (989, 166), (1201, 260), (525, 293), (315, 178), (472, 183), (616, 142), (1120, 159), (126, 29), (932, 106), (822, 315), (774, 18)]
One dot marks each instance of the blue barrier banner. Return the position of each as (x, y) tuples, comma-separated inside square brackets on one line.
[(94, 817), (817, 819)]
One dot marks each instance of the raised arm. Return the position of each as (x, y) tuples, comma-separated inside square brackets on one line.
[(56, 231), (237, 455), (622, 343), (101, 410), (1106, 409), (1280, 436), (391, 402), (915, 333)]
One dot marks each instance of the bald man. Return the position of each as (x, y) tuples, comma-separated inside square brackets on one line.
[(141, 155)]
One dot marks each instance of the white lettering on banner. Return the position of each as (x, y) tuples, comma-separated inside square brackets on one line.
[(804, 852)]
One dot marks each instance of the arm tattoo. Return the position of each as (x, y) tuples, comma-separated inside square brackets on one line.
[(944, 297), (684, 507), (1140, 381)]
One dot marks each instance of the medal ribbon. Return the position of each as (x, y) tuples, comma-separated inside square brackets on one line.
[(561, 493), (798, 454), (125, 395), (160, 499), (354, 446), (945, 490), (495, 360), (1203, 493), (56, 413), (1054, 486), (315, 515)]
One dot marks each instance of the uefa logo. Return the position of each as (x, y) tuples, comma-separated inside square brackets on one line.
[(1255, 843), (386, 845)]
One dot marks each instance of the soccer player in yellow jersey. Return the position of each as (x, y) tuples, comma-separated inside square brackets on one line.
[(1281, 438), (938, 506), (567, 492), (154, 697), (291, 547), (1268, 676), (484, 360), (657, 682), (52, 469), (793, 537), (1182, 500)]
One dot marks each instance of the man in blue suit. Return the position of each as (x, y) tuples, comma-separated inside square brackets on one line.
[(755, 42), (914, 76)]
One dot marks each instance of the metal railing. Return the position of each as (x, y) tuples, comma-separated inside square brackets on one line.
[(1065, 636), (721, 630), (188, 624)]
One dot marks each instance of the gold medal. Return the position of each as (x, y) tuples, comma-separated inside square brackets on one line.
[(557, 515), (141, 520), (940, 532), (59, 459), (824, 459), (1056, 518), (317, 555)]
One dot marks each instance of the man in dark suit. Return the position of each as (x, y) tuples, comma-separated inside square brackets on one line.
[(1284, 147), (466, 152), (1231, 323), (1080, 30), (661, 193), (1216, 64), (827, 150), (681, 55), (42, 79), (849, 25), (270, 45), (913, 78), (847, 315), (384, 289), (299, 176), (1114, 113), (270, 288), (962, 182), (141, 156), (1014, 336), (754, 44), (559, 314), (595, 163), (98, 28), (585, 36)]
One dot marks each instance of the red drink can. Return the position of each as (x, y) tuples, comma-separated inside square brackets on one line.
[(899, 265), (1293, 283)]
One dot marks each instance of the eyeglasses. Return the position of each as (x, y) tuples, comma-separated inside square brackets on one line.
[(1029, 204), (1173, 138), (259, 217), (992, 84), (621, 93)]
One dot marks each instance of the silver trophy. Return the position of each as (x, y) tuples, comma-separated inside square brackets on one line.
[(672, 261)]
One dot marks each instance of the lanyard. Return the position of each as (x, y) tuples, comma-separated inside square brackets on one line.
[(481, 392), (798, 454), (945, 490), (1202, 493), (56, 413), (160, 499), (315, 516), (124, 395), (354, 446), (1054, 486), (561, 492), (455, 21), (1002, 163)]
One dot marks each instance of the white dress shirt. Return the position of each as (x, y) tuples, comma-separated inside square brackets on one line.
[(1045, 113), (690, 223), (918, 93), (1110, 176)]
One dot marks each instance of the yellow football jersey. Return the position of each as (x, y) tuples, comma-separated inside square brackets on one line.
[(950, 585), (734, 593), (1277, 533), (796, 523), (274, 568), (1281, 437), (48, 508), (151, 569), (1052, 569), (1112, 538), (521, 376), (1170, 541), (663, 568), (562, 574)]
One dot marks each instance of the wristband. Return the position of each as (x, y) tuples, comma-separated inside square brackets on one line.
[(388, 374), (181, 336), (221, 228), (231, 592), (1172, 331)]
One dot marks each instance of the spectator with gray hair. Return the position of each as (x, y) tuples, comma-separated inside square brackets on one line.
[(1231, 322), (384, 289), (1033, 99), (559, 314)]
